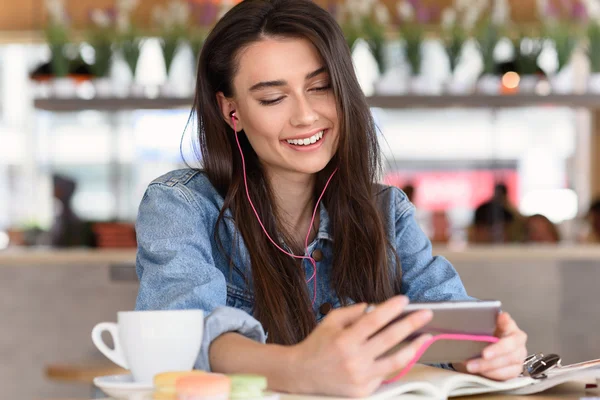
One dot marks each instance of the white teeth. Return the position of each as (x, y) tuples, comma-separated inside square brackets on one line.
[(305, 142)]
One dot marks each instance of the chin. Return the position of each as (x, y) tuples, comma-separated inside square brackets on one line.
[(312, 167)]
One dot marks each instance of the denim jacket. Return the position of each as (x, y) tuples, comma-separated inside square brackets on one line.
[(180, 265)]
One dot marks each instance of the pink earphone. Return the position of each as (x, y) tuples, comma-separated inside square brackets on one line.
[(312, 260)]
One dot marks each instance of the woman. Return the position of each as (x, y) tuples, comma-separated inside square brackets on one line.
[(539, 229), (289, 147)]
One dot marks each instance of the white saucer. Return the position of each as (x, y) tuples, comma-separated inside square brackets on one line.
[(122, 387)]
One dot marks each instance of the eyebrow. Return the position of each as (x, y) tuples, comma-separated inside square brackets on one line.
[(267, 84)]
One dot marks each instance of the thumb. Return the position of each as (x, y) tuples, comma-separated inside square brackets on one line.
[(504, 324)]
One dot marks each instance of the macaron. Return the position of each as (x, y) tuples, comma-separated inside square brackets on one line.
[(203, 387), (247, 387), (164, 383)]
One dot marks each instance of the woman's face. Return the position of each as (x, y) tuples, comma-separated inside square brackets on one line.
[(285, 105)]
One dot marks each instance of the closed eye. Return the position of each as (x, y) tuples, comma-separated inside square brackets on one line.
[(271, 102), (279, 99), (322, 88)]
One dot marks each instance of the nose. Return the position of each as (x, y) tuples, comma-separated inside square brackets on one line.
[(303, 114)]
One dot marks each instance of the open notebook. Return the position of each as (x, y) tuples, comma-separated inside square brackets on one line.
[(424, 382)]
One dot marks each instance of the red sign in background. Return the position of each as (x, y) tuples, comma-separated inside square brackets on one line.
[(444, 190)]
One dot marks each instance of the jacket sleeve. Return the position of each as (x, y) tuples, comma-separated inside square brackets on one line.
[(176, 269), (425, 278)]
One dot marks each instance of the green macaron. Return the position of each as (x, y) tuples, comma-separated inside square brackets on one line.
[(247, 387)]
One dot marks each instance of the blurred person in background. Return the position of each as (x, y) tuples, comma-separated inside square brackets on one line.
[(593, 236), (441, 227), (409, 190), (513, 226), (539, 229), (492, 224), (67, 229)]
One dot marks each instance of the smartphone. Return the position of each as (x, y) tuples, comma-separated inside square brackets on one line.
[(463, 317)]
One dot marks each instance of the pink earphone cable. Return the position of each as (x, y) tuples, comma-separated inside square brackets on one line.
[(312, 260), (425, 346)]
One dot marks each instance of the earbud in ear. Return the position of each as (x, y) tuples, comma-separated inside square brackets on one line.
[(232, 114)]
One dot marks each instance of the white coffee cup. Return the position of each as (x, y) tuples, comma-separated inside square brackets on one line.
[(150, 342)]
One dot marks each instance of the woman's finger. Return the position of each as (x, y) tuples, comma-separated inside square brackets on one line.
[(396, 333), (505, 345), (505, 325), (505, 373), (378, 318), (392, 364), (507, 360)]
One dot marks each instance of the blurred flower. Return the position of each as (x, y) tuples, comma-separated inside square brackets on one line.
[(382, 14), (448, 18), (406, 10), (123, 14), (100, 18), (592, 9), (174, 16), (473, 9), (57, 12), (500, 12), (224, 7)]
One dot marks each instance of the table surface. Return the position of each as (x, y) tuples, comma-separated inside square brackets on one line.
[(571, 390)]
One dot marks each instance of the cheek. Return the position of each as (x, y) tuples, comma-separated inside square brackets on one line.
[(266, 123)]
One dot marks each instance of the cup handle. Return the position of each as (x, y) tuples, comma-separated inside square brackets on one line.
[(115, 355)]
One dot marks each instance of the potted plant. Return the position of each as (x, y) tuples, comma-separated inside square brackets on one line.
[(129, 44), (57, 34), (172, 25), (364, 24), (413, 17), (368, 21), (100, 38), (454, 36), (565, 39), (561, 26), (487, 38), (527, 50), (593, 53)]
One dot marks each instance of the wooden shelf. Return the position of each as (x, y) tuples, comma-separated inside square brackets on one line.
[(590, 101)]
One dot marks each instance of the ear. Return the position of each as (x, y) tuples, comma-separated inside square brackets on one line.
[(227, 106)]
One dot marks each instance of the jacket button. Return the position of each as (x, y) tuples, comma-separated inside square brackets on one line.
[(317, 255), (325, 308)]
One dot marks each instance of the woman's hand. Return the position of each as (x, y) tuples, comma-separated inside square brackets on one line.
[(341, 357), (502, 360)]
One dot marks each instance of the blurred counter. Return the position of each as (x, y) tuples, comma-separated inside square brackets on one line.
[(46, 256), (31, 256)]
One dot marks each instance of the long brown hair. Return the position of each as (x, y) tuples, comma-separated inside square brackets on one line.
[(365, 267)]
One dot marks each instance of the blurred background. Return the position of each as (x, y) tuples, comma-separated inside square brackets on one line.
[(488, 114)]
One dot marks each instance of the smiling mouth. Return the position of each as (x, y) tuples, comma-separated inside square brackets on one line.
[(308, 141)]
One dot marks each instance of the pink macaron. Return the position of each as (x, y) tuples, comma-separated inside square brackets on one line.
[(203, 387)]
